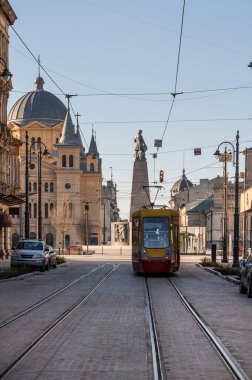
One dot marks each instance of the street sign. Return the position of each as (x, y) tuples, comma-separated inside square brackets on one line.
[(158, 143), (225, 157)]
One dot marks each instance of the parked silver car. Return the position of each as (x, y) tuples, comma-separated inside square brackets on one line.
[(31, 252), (246, 276), (53, 256)]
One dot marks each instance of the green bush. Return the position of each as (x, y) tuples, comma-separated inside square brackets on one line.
[(61, 259), (205, 262), (225, 270), (228, 270), (14, 272)]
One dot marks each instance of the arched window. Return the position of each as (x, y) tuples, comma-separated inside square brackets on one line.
[(49, 239), (30, 187), (30, 209), (14, 240), (39, 142), (92, 167), (51, 207), (35, 189), (33, 235), (64, 211), (70, 210), (46, 187), (71, 161), (51, 187), (33, 143), (35, 210), (46, 210), (57, 140), (63, 161), (67, 241)]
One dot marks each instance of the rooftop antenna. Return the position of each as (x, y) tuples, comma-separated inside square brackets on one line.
[(39, 65), (68, 96)]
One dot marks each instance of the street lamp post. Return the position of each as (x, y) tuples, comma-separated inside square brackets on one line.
[(236, 213), (40, 154), (227, 157), (86, 222), (104, 222), (27, 210), (6, 72)]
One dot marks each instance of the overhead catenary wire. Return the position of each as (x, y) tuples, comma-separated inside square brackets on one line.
[(177, 70)]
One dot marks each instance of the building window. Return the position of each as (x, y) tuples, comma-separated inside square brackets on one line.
[(46, 210), (33, 143), (51, 187), (92, 167), (64, 161), (14, 239), (35, 187), (70, 210), (67, 241), (49, 239), (39, 142), (30, 187), (33, 235), (30, 210), (64, 211), (46, 187), (71, 160), (57, 140), (51, 207), (35, 210)]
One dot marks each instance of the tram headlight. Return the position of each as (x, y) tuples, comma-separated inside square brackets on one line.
[(143, 254), (168, 252)]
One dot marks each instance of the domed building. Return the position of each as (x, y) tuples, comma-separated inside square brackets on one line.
[(180, 191), (38, 105), (182, 184), (64, 194)]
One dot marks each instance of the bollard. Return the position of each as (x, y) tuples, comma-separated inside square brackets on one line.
[(213, 253)]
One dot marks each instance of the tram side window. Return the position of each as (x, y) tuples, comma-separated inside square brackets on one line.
[(135, 231)]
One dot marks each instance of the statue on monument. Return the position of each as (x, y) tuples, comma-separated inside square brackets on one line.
[(140, 147)]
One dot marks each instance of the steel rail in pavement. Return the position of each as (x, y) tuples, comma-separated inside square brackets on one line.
[(29, 309), (54, 325), (226, 356), (156, 356)]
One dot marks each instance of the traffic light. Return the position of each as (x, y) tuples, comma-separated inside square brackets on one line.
[(161, 176)]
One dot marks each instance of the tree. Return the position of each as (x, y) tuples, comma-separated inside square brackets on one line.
[(61, 219)]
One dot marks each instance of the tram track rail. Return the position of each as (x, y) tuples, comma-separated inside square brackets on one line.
[(230, 362), (158, 373), (56, 323), (48, 298)]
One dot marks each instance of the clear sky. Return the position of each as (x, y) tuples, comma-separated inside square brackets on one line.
[(103, 47)]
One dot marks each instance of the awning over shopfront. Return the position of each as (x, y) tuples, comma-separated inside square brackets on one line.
[(10, 199)]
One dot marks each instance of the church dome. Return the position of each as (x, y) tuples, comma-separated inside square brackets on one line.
[(39, 105), (182, 184)]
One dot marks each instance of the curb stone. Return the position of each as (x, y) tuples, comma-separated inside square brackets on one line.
[(227, 278)]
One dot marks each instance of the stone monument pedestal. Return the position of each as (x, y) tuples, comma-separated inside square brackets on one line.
[(140, 196)]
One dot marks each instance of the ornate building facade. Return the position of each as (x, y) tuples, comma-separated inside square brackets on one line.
[(9, 146), (68, 190)]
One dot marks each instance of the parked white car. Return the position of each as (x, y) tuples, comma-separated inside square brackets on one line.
[(31, 252)]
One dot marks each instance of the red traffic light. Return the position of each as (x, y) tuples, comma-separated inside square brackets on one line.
[(161, 176)]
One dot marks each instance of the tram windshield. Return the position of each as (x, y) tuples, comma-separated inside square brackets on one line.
[(156, 232)]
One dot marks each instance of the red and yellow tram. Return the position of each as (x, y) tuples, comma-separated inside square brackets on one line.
[(155, 241)]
